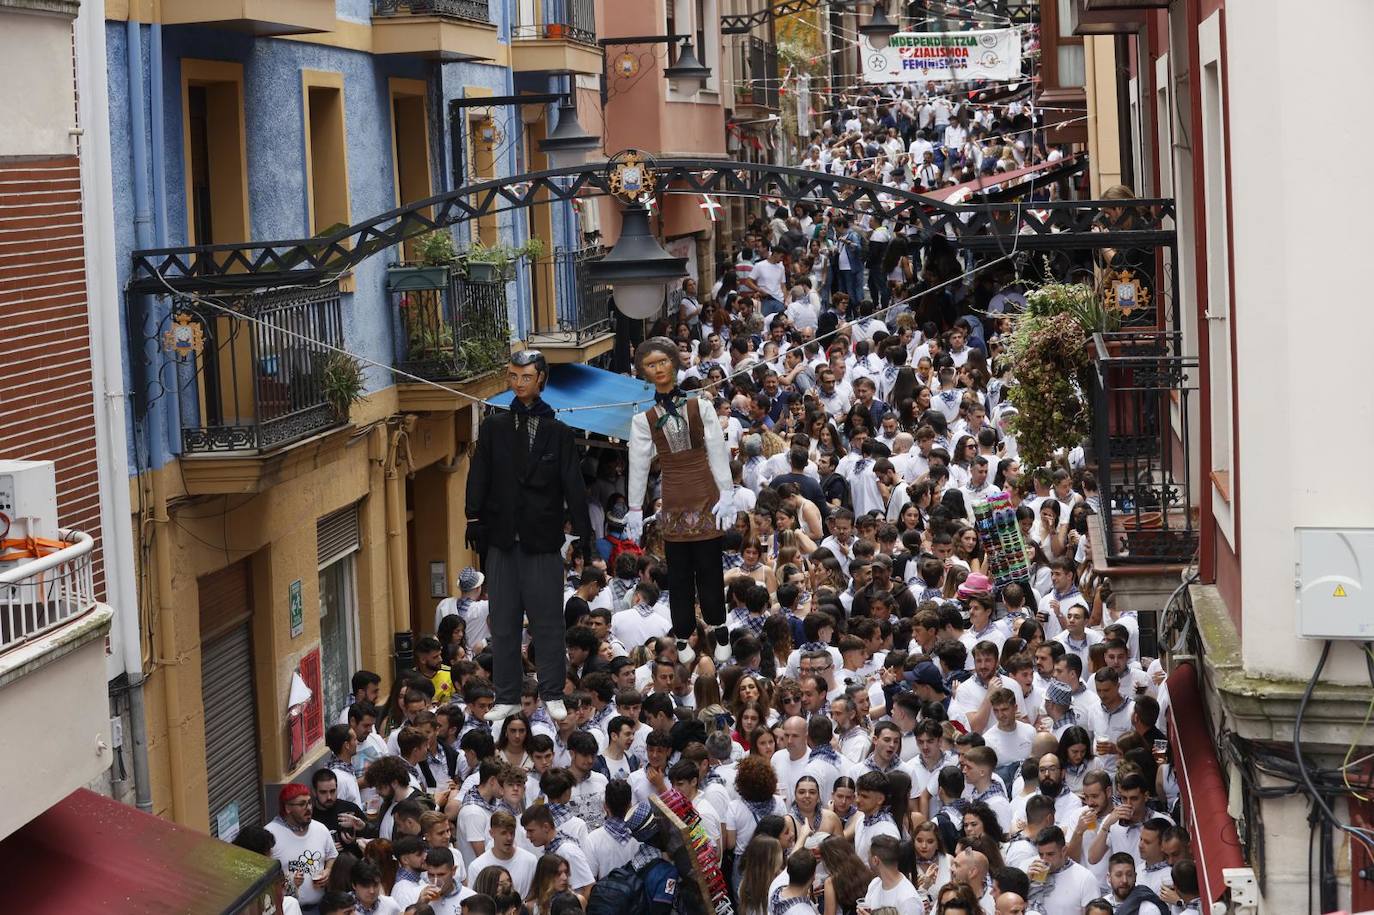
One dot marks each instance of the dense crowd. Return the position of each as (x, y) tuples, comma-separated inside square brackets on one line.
[(878, 727)]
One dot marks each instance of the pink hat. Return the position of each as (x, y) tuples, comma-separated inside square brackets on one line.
[(977, 583)]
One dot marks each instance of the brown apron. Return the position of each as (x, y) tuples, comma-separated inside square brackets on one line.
[(689, 489)]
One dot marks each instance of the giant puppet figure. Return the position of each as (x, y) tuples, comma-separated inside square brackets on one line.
[(684, 433), (525, 476)]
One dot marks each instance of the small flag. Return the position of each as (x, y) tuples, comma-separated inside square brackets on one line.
[(711, 207)]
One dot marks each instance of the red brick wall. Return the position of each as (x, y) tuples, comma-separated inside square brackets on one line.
[(46, 406)]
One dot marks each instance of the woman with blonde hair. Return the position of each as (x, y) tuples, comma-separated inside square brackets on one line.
[(550, 879), (758, 867)]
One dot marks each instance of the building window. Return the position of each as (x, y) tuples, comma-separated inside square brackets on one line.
[(338, 633), (326, 151), (410, 144), (484, 135), (214, 151), (1218, 274), (1069, 60)]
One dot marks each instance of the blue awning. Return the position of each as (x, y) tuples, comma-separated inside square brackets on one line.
[(577, 385)]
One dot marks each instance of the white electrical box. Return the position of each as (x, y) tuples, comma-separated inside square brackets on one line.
[(1334, 600), (28, 498)]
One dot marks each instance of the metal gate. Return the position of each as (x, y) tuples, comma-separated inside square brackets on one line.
[(233, 769)]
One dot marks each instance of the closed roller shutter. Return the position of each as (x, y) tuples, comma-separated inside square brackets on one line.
[(231, 728), (336, 535), (226, 684)]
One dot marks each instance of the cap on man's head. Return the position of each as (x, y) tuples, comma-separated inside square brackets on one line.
[(470, 580), (926, 674), (289, 793), (1058, 693)]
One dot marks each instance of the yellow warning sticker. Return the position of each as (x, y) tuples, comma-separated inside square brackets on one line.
[(1339, 592)]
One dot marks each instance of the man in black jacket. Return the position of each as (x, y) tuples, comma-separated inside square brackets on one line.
[(524, 472)]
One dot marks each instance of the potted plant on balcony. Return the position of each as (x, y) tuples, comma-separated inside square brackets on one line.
[(497, 263), (434, 252), (339, 379)]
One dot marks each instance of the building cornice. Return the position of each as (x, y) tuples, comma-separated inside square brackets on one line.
[(67, 8)]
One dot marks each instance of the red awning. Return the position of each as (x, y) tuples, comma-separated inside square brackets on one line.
[(961, 193), (1216, 844), (90, 854)]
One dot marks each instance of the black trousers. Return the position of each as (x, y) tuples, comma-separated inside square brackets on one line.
[(695, 575)]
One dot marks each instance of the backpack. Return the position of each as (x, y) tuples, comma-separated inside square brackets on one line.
[(619, 546), (621, 892)]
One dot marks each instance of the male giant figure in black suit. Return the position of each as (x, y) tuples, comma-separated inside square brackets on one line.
[(525, 470)]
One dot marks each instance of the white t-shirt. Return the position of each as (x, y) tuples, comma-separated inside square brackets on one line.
[(740, 820), (863, 835), (770, 278), (520, 866), (579, 868), (633, 628), (1010, 746), (309, 854), (474, 824), (477, 615), (1074, 887), (605, 854), (902, 897)]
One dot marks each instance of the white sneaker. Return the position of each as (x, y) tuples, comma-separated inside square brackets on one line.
[(500, 713), (685, 654), (556, 709)]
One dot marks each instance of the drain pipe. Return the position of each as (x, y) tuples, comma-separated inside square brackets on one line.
[(107, 361), (403, 636), (156, 430)]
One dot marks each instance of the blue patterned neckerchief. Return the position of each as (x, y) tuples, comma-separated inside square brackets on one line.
[(405, 873), (475, 798), (745, 618), (1154, 868), (338, 765), (616, 829), (873, 766), (778, 906), (814, 821), (557, 842), (826, 752), (845, 817), (814, 646), (712, 778), (644, 610), (884, 813), (561, 813), (993, 790), (461, 606), (1070, 717), (761, 809), (479, 723)]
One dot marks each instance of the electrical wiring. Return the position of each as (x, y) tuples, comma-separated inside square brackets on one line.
[(1345, 763), (1364, 837)]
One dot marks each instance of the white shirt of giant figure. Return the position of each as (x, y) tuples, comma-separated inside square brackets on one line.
[(660, 369)]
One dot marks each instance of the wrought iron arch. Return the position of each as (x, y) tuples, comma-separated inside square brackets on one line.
[(984, 226)]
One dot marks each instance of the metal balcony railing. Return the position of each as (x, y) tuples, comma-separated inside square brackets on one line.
[(584, 305), (1139, 388), (470, 10), (259, 384), (455, 333), (756, 66), (573, 20), (38, 595)]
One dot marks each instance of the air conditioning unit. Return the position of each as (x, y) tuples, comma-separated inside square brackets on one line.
[(28, 501)]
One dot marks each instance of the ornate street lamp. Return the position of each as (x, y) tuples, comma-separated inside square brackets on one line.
[(569, 144), (879, 29), (637, 267), (688, 75)]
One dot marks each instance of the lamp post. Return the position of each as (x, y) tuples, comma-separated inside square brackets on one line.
[(569, 144), (879, 29), (637, 266), (687, 75)]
